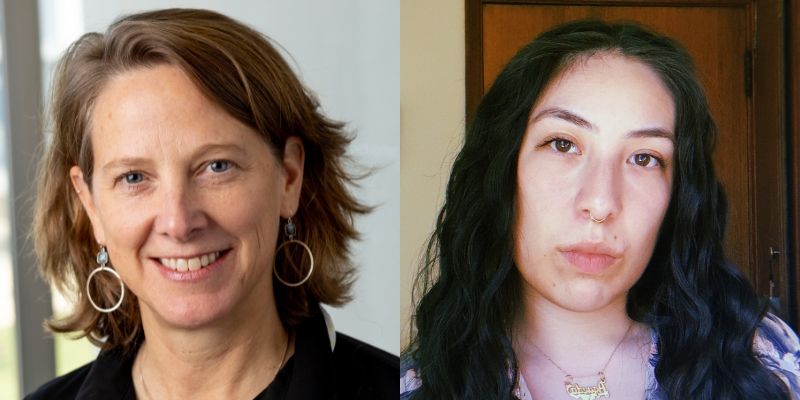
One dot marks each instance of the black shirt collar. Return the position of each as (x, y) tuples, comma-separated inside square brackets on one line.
[(308, 374)]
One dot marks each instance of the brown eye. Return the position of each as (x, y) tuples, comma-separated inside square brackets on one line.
[(645, 160), (562, 145)]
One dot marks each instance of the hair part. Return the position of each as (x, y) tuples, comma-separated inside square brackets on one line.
[(468, 293), (239, 70)]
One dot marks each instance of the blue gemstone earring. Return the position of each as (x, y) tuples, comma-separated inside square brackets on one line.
[(102, 259), (290, 230)]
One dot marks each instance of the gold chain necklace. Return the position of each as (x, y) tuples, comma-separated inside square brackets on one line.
[(591, 392), (285, 352)]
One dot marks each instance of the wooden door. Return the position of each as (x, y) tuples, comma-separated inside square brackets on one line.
[(723, 39)]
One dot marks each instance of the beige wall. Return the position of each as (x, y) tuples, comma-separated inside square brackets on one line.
[(431, 124)]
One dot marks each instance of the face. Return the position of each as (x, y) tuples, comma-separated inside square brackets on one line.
[(599, 144), (186, 198)]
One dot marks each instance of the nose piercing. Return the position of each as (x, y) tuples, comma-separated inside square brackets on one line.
[(595, 219)]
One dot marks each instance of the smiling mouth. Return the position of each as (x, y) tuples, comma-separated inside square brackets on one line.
[(190, 264)]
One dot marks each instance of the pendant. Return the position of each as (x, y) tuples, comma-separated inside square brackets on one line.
[(588, 393)]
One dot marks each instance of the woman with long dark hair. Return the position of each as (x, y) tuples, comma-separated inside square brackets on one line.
[(579, 252)]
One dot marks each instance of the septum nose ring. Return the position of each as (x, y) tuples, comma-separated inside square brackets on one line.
[(595, 219)]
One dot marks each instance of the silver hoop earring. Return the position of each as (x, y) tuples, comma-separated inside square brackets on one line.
[(290, 231), (102, 259), (591, 217)]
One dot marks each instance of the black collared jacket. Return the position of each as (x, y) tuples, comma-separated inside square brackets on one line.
[(352, 370)]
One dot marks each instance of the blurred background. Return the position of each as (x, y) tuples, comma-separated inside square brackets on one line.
[(348, 52)]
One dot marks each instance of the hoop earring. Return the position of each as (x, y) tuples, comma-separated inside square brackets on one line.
[(290, 231), (102, 259)]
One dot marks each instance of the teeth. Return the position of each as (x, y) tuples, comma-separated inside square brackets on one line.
[(190, 264)]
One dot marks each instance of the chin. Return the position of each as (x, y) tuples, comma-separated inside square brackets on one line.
[(585, 299), (192, 313)]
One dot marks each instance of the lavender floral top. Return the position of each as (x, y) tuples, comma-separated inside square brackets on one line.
[(775, 344)]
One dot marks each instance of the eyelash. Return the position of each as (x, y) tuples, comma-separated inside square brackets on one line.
[(658, 159), (229, 164), (121, 178), (554, 139)]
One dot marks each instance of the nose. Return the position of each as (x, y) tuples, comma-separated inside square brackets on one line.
[(599, 196), (180, 216)]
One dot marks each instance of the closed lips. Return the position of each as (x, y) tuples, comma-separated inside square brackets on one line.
[(189, 264)]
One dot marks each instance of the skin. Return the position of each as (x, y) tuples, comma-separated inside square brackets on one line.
[(599, 141), (177, 177)]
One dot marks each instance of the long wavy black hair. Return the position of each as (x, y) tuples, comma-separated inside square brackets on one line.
[(468, 292)]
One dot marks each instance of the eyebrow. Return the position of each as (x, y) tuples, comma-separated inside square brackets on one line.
[(654, 133), (127, 162), (565, 115), (131, 162), (575, 119)]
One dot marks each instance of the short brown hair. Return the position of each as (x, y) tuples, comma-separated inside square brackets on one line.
[(237, 68)]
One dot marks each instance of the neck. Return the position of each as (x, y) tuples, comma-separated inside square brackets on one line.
[(580, 342), (232, 358)]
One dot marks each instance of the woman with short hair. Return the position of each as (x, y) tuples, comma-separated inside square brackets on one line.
[(194, 202)]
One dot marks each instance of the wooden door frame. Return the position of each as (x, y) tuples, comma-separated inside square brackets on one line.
[(473, 13), (792, 47), (777, 110), (770, 115)]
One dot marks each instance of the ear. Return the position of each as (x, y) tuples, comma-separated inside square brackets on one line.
[(87, 200), (294, 157)]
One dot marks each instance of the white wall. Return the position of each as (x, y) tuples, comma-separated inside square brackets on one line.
[(348, 52), (431, 123)]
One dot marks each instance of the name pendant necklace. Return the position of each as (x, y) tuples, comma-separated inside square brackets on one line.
[(585, 393)]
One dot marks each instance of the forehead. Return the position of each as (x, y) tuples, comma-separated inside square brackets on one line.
[(612, 88), (163, 93), (153, 112), (606, 67)]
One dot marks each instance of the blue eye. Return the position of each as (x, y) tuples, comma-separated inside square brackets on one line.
[(133, 178), (219, 166)]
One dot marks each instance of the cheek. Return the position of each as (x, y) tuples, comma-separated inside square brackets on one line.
[(543, 204), (126, 226), (646, 207), (249, 210), (650, 200), (251, 214), (543, 195), (123, 219)]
